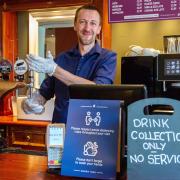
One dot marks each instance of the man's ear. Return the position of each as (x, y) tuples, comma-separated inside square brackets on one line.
[(99, 30)]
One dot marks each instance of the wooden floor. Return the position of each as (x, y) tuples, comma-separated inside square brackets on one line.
[(27, 167)]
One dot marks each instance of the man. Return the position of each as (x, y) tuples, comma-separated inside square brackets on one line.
[(87, 63)]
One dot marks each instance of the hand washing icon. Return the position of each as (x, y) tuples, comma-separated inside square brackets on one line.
[(90, 149)]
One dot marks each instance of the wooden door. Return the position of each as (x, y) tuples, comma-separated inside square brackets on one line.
[(65, 38)]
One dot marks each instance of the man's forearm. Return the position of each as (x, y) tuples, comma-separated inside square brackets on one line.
[(69, 78)]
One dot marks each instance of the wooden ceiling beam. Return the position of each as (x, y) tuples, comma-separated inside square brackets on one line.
[(23, 5)]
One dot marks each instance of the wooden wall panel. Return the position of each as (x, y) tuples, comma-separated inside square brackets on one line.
[(0, 34), (9, 51), (105, 35), (9, 37), (106, 27)]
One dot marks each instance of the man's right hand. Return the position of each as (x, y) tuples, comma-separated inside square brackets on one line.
[(42, 65)]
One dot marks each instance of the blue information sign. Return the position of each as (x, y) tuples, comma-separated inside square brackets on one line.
[(91, 140)]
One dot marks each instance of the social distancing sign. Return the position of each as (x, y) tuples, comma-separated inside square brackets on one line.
[(91, 140)]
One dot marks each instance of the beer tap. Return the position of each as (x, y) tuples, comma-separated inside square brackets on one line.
[(20, 68), (5, 69)]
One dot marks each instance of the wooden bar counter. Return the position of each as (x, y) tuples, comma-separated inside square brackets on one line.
[(12, 120), (26, 167), (29, 167), (30, 136), (25, 134)]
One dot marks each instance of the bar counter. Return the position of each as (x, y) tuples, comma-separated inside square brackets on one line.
[(12, 120), (26, 165)]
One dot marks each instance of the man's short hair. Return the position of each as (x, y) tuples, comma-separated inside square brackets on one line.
[(87, 7)]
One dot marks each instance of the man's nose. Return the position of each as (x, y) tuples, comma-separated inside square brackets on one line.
[(87, 25)]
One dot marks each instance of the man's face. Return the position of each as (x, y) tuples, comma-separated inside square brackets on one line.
[(87, 26)]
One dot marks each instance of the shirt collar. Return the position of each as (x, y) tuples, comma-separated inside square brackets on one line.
[(96, 49)]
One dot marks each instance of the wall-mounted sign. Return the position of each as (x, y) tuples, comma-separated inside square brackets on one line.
[(141, 10), (153, 141)]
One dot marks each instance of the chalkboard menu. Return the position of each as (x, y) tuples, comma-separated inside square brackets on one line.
[(140, 10), (153, 142)]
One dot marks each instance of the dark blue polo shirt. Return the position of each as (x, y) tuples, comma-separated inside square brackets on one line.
[(97, 65)]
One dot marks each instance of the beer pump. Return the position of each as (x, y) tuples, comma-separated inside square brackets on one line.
[(20, 68), (5, 69)]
